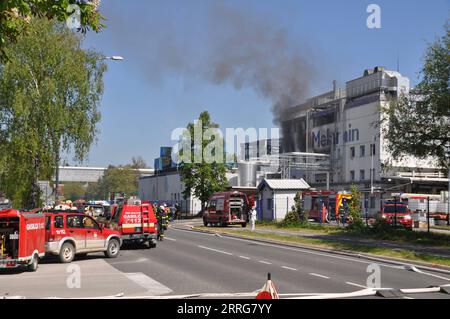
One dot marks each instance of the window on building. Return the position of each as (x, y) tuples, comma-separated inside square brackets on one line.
[(362, 174), (362, 151), (352, 152), (372, 202), (372, 149), (352, 175)]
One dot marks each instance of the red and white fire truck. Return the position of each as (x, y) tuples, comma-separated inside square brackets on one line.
[(136, 223), (228, 208), (22, 239), (324, 206)]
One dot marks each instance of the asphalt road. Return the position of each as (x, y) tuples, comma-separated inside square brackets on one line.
[(189, 262)]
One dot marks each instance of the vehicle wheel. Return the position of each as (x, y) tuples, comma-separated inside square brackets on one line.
[(67, 253), (151, 244), (205, 223), (112, 251), (34, 264), (244, 225)]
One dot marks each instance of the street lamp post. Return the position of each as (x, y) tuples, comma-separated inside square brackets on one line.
[(114, 58), (447, 156)]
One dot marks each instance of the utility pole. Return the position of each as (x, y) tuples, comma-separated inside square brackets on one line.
[(428, 214), (447, 156), (395, 211)]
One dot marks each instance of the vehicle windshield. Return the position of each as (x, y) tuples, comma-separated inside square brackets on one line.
[(393, 208)]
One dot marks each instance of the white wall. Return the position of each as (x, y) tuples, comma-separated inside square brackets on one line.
[(283, 202), (167, 188)]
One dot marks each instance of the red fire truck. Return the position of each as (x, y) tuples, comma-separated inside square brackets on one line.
[(324, 206), (227, 208), (22, 239), (397, 214), (136, 223)]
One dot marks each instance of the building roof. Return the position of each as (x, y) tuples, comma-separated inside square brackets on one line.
[(285, 184)]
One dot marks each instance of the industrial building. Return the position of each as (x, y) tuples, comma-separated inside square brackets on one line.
[(332, 141), (335, 140)]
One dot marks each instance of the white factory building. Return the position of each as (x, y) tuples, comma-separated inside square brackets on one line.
[(332, 141), (346, 125)]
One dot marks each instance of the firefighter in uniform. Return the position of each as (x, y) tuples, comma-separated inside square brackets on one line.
[(161, 216)]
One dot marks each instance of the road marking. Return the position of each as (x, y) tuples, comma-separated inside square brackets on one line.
[(330, 255), (288, 268), (265, 262), (139, 260), (170, 239), (406, 297), (243, 257), (318, 275), (153, 287), (356, 285), (217, 251)]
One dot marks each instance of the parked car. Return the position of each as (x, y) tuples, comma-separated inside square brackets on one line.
[(72, 233)]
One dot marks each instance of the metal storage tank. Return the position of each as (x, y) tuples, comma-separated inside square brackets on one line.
[(247, 174)]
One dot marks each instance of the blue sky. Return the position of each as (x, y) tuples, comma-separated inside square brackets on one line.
[(161, 84)]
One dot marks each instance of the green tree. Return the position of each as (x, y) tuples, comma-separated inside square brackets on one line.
[(74, 190), (202, 156), (50, 89), (121, 179), (15, 16), (419, 123), (354, 207), (93, 192), (138, 162)]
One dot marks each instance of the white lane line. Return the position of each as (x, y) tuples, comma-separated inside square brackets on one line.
[(170, 239), (288, 268), (152, 286), (217, 251), (356, 285), (406, 297), (265, 262), (243, 257), (318, 275), (139, 260), (330, 255)]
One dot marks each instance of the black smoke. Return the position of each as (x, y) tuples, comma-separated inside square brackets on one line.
[(238, 46)]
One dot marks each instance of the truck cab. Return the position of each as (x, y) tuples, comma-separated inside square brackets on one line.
[(397, 214)]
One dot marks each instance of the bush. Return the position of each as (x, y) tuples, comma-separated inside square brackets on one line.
[(357, 226), (291, 219)]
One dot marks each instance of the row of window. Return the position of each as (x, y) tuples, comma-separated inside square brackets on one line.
[(362, 175), (362, 151), (175, 196)]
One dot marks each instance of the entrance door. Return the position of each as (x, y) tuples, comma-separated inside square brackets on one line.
[(94, 236), (76, 231)]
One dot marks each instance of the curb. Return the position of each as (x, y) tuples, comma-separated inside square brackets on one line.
[(390, 260)]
